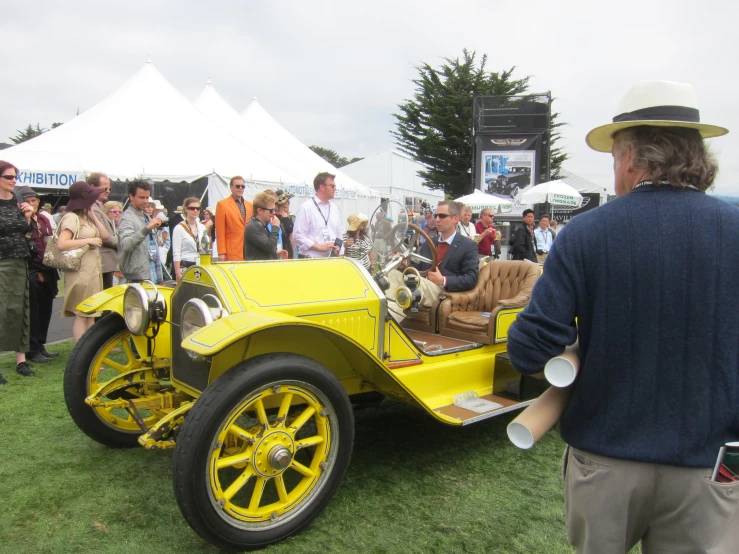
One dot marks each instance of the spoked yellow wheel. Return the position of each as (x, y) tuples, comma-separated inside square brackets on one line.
[(263, 450), (105, 352)]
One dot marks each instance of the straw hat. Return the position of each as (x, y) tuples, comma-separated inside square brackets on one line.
[(46, 207), (355, 220), (655, 103), (156, 203), (178, 210), (211, 209)]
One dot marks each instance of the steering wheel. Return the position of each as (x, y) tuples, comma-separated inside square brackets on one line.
[(409, 253)]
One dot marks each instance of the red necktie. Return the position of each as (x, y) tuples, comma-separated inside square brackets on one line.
[(441, 250)]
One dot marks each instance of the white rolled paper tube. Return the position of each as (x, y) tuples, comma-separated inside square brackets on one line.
[(539, 417), (561, 371), (520, 435)]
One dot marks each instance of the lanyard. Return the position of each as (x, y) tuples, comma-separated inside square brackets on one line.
[(662, 182), (464, 228), (320, 211)]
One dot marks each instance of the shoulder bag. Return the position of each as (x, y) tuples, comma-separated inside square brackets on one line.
[(68, 260)]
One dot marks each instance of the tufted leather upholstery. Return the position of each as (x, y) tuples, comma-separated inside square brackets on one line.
[(501, 284)]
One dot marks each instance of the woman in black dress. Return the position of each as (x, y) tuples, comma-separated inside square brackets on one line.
[(15, 314)]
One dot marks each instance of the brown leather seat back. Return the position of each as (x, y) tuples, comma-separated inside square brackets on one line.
[(507, 280)]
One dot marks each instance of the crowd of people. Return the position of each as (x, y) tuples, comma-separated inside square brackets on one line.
[(135, 245)]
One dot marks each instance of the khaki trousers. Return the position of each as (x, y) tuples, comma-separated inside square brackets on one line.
[(430, 294), (611, 504)]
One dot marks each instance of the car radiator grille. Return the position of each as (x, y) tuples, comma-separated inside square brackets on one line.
[(184, 369)]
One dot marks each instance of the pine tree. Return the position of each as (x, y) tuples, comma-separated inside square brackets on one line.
[(28, 133), (435, 127)]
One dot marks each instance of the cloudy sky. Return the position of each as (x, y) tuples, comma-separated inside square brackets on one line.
[(333, 72)]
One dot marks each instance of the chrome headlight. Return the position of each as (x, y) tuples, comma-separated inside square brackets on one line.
[(142, 307), (197, 313)]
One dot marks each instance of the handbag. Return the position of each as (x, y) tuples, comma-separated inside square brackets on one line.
[(68, 260)]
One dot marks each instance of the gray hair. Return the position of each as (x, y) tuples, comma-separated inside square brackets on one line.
[(678, 155)]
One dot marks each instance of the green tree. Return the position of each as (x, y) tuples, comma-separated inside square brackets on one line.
[(435, 127), (31, 132), (332, 157), (27, 133)]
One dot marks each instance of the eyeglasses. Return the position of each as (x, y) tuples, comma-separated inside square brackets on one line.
[(239, 187), (270, 210), (9, 177), (114, 211), (442, 216), (487, 215), (331, 186), (196, 208)]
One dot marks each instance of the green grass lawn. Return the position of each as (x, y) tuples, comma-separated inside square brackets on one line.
[(414, 485)]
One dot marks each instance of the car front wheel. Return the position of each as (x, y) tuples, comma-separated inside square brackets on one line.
[(263, 450)]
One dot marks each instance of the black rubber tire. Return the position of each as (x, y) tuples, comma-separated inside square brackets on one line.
[(212, 407), (75, 384)]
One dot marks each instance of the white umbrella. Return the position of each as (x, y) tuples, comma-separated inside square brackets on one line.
[(478, 201), (554, 192)]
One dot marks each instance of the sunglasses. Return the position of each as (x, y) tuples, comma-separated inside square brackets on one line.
[(196, 208), (9, 177), (239, 187), (442, 216), (331, 186), (270, 210)]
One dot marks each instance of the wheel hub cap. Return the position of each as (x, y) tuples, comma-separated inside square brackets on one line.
[(273, 454), (280, 457)]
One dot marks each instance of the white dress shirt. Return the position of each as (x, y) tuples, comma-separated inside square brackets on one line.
[(468, 230), (543, 239), (184, 247), (312, 220)]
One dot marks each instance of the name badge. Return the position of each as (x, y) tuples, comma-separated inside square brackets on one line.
[(326, 236)]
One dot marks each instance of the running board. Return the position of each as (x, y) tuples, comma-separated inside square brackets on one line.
[(468, 415)]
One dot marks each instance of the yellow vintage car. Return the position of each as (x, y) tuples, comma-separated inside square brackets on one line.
[(251, 371)]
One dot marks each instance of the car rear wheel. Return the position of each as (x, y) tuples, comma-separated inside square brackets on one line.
[(263, 450)]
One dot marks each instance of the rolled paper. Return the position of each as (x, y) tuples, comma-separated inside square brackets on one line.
[(539, 417), (561, 370)]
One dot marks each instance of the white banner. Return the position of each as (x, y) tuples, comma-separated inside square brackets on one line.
[(48, 179)]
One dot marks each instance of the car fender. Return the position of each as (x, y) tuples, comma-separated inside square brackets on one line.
[(228, 330), (111, 300)]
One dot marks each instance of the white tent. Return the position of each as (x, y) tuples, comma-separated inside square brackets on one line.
[(282, 148), (144, 129), (395, 174)]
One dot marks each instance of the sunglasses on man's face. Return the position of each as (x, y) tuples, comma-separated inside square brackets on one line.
[(270, 210), (9, 177), (239, 187), (442, 216), (330, 186)]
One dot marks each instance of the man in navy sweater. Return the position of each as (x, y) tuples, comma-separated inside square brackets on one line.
[(657, 314)]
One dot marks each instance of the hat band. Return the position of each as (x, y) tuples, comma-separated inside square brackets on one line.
[(661, 113)]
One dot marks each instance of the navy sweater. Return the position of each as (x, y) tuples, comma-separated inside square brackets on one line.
[(653, 279)]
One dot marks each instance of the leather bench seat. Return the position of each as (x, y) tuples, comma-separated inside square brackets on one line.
[(470, 315)]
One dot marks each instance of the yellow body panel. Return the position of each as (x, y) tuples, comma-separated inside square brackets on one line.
[(330, 311)]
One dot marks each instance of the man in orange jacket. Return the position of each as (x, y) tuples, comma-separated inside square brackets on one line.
[(232, 215)]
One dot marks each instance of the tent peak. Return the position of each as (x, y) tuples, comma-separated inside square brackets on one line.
[(148, 58), (208, 82)]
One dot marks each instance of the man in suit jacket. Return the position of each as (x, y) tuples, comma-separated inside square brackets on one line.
[(109, 249), (232, 214), (457, 261), (524, 242)]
